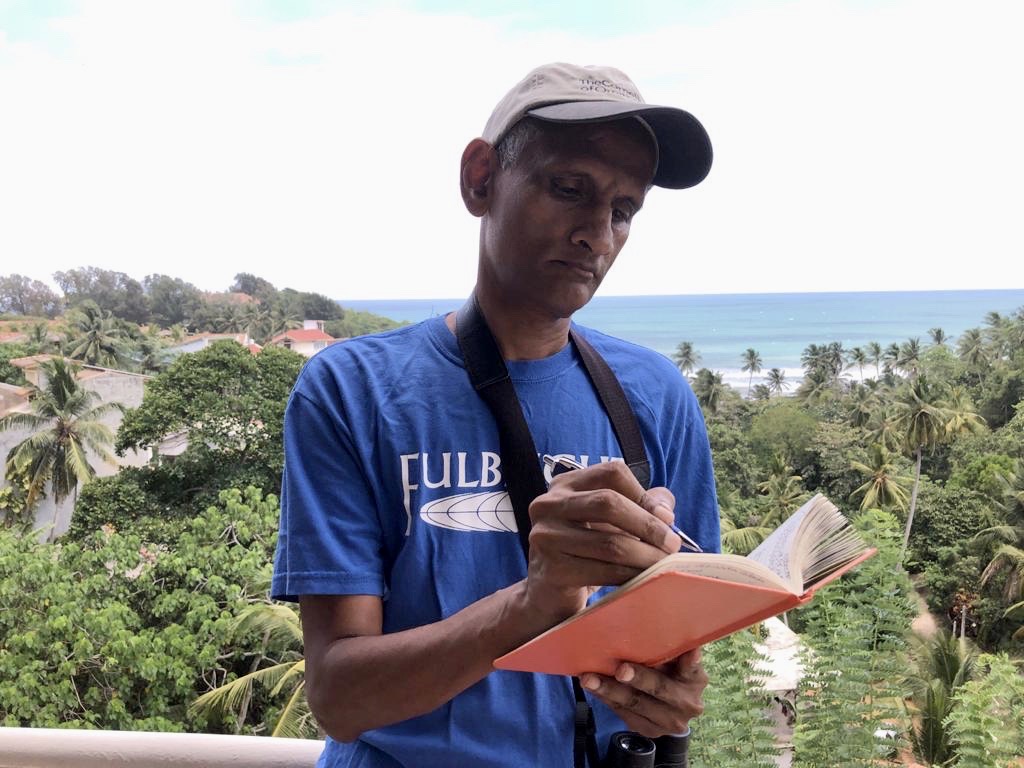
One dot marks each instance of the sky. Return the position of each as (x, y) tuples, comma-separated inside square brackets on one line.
[(859, 146)]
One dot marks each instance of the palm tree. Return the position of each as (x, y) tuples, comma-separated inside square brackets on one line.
[(65, 421), (885, 486), (1008, 539), (835, 358), (874, 352), (812, 357), (909, 358), (709, 388), (752, 363), (944, 664), (39, 337), (257, 321), (281, 632), (962, 416), (972, 351), (816, 386), (863, 402), (921, 420), (685, 357), (283, 319), (939, 337), (776, 381), (891, 356), (95, 336), (859, 358), (783, 490)]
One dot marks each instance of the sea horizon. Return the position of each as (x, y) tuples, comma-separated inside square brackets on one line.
[(779, 326)]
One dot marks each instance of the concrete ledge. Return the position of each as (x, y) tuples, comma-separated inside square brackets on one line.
[(70, 748)]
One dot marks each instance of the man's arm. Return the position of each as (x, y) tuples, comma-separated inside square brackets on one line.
[(359, 679), (595, 526)]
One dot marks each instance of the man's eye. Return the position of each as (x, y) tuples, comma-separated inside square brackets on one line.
[(566, 190), (621, 214)]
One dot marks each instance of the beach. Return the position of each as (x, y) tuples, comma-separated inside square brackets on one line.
[(779, 326)]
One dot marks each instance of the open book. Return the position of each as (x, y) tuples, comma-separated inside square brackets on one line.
[(686, 600)]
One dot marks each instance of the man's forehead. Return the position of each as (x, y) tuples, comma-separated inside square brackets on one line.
[(626, 142)]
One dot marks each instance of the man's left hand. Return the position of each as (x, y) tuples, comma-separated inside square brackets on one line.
[(654, 701)]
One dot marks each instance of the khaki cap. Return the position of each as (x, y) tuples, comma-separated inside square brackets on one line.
[(568, 93)]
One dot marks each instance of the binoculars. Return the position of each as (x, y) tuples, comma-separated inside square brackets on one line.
[(627, 749)]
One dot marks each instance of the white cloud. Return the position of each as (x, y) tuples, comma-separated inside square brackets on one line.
[(855, 148)]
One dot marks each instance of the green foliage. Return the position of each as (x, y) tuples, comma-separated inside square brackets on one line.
[(95, 337), (12, 374), (828, 460), (986, 474), (1002, 390), (884, 485), (782, 427), (113, 292), (171, 299), (985, 721), (359, 323), (116, 633), (735, 464), (231, 404), (735, 730), (279, 668), (946, 517), (944, 664), (20, 295), (119, 502), (855, 633)]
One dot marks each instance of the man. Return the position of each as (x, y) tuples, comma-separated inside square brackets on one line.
[(396, 536)]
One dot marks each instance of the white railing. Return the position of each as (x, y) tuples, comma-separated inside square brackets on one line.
[(68, 748)]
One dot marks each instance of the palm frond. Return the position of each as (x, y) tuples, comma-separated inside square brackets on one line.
[(280, 623), (229, 697), (294, 720)]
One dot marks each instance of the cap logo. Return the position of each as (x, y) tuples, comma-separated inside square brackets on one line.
[(593, 85)]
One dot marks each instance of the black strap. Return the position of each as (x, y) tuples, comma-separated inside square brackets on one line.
[(618, 409), (520, 462), (520, 466)]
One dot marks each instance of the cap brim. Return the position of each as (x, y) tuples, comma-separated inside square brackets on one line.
[(684, 147)]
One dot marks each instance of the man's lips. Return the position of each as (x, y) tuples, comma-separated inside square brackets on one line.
[(580, 269)]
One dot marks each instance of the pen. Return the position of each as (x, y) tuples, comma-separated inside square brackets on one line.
[(560, 464)]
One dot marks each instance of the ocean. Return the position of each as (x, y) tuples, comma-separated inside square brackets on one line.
[(778, 325)]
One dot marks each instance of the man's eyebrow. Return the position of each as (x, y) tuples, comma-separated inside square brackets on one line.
[(634, 203)]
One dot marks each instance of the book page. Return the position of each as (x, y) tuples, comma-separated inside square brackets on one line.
[(714, 566), (774, 553)]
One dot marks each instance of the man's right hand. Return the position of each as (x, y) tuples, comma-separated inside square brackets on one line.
[(594, 527)]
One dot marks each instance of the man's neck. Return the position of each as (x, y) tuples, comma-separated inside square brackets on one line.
[(521, 336)]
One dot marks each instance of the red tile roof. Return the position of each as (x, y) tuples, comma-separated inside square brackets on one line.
[(300, 335)]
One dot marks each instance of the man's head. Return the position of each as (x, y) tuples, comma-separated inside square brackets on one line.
[(564, 163), (567, 93)]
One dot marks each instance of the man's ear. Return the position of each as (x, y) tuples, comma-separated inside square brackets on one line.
[(479, 163)]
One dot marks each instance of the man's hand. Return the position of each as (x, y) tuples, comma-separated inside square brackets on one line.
[(654, 702), (594, 527)]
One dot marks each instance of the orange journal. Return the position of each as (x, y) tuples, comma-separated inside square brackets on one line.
[(687, 600)]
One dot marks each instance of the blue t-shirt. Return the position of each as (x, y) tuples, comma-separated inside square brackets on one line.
[(392, 487)]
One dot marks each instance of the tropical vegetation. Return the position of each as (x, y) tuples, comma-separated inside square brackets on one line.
[(152, 612)]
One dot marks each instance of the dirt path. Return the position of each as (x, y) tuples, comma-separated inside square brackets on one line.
[(924, 625)]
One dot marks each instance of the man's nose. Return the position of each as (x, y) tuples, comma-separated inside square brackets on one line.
[(595, 233)]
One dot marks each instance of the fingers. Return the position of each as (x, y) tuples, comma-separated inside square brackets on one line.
[(608, 496), (650, 701)]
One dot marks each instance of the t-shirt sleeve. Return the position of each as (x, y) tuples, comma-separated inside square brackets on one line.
[(330, 537)]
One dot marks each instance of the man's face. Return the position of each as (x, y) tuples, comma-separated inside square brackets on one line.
[(558, 218)]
